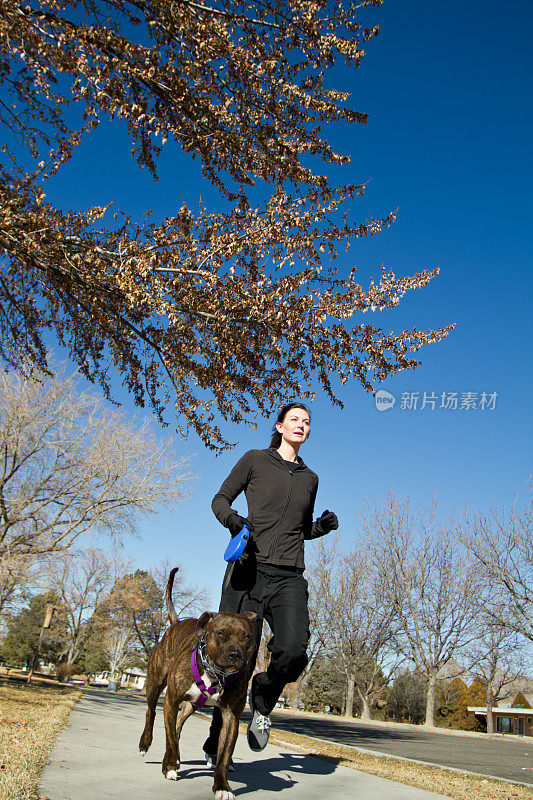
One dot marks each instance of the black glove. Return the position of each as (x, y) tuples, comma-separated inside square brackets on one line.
[(236, 523), (327, 522)]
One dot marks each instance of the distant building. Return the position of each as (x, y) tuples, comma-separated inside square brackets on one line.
[(515, 717), (130, 679)]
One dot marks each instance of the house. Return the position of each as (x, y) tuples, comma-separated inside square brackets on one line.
[(132, 678), (514, 717)]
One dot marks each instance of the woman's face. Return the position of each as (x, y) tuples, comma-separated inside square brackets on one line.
[(295, 427)]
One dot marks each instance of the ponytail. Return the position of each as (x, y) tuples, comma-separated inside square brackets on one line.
[(275, 442)]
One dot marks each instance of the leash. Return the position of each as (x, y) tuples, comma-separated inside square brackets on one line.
[(227, 577), (221, 679)]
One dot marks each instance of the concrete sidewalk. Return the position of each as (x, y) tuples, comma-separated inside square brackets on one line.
[(96, 756)]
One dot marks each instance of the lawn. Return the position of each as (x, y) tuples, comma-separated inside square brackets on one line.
[(31, 717)]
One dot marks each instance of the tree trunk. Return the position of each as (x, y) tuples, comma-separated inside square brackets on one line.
[(350, 691), (363, 696), (76, 645), (490, 723), (299, 686), (430, 700)]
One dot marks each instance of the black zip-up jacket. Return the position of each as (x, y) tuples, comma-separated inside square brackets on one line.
[(281, 498)]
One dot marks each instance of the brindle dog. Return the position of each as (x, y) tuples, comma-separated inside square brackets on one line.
[(228, 642)]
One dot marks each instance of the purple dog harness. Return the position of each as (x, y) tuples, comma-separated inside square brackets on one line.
[(221, 679)]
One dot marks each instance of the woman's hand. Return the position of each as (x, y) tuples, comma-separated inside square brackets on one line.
[(236, 523), (327, 522)]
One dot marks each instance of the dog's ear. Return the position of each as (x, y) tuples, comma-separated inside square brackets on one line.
[(250, 615), (203, 622)]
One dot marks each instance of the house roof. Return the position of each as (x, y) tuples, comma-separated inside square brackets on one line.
[(505, 711)]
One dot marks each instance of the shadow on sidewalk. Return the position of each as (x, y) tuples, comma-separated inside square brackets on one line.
[(261, 775)]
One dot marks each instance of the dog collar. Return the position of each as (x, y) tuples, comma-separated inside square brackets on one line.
[(219, 675), (221, 678)]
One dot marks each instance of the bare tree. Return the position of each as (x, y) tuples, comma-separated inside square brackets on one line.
[(81, 580), (143, 593), (357, 618), (188, 598), (17, 574), (68, 466), (430, 582), (112, 631), (118, 646), (501, 541), (497, 660)]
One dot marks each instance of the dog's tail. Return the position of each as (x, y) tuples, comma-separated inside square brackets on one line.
[(171, 611)]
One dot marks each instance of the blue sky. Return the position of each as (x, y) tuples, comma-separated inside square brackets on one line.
[(448, 143)]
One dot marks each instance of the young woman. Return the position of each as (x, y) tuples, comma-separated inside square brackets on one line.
[(268, 578)]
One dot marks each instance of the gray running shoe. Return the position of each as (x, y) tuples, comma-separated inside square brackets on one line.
[(211, 761), (258, 731)]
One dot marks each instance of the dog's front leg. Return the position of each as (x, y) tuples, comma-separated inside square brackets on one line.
[(186, 710), (155, 683), (226, 746), (171, 762)]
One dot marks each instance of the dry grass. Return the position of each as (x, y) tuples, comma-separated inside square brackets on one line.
[(434, 779), (31, 717)]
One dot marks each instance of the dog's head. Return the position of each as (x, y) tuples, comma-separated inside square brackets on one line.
[(229, 638)]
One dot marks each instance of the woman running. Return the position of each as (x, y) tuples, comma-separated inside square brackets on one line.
[(268, 578)]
